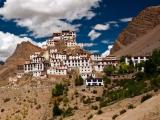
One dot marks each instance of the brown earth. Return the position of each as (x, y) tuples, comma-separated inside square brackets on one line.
[(22, 52), (142, 25)]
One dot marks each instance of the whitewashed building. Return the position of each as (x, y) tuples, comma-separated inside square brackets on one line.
[(53, 51), (86, 75), (57, 36), (94, 82), (136, 59), (68, 35), (85, 69), (58, 56), (72, 57), (36, 68), (55, 62), (76, 63), (62, 71), (51, 43), (99, 68), (36, 54), (96, 57), (111, 58), (37, 59), (71, 43)]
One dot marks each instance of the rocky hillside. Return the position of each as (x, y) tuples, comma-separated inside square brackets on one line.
[(63, 49), (149, 110), (21, 53), (138, 30)]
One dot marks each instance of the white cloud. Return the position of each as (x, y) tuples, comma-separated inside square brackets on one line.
[(94, 51), (107, 52), (40, 44), (8, 43), (93, 34), (105, 41), (89, 44), (126, 19), (45, 16), (102, 26)]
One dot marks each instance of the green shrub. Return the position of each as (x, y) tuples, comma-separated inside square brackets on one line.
[(99, 112), (38, 107), (58, 90), (103, 103), (130, 106), (109, 70), (6, 100), (94, 91), (2, 110), (122, 111), (79, 81), (140, 76), (75, 107), (98, 98), (156, 82), (68, 112), (94, 107), (114, 117), (146, 97), (56, 110), (87, 101), (89, 117), (106, 80)]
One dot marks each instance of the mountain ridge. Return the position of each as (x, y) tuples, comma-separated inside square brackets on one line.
[(144, 23)]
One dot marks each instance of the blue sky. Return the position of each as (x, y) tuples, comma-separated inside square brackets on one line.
[(97, 22)]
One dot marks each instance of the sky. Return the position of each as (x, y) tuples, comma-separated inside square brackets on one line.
[(96, 22)]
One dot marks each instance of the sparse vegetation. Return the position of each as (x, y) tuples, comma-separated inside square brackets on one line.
[(68, 112), (109, 70), (114, 117), (131, 106), (58, 90), (56, 110), (6, 100), (90, 116), (94, 91), (79, 81), (99, 112), (94, 107), (87, 100), (146, 97), (2, 110), (122, 111)]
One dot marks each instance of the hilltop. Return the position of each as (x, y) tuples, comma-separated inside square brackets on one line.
[(21, 53)]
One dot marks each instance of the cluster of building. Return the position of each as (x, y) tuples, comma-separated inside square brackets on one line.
[(52, 63)]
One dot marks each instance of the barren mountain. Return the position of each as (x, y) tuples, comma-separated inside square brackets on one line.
[(141, 36), (21, 53)]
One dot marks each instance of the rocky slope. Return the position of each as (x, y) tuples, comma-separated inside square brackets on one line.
[(139, 29), (149, 110), (21, 53)]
